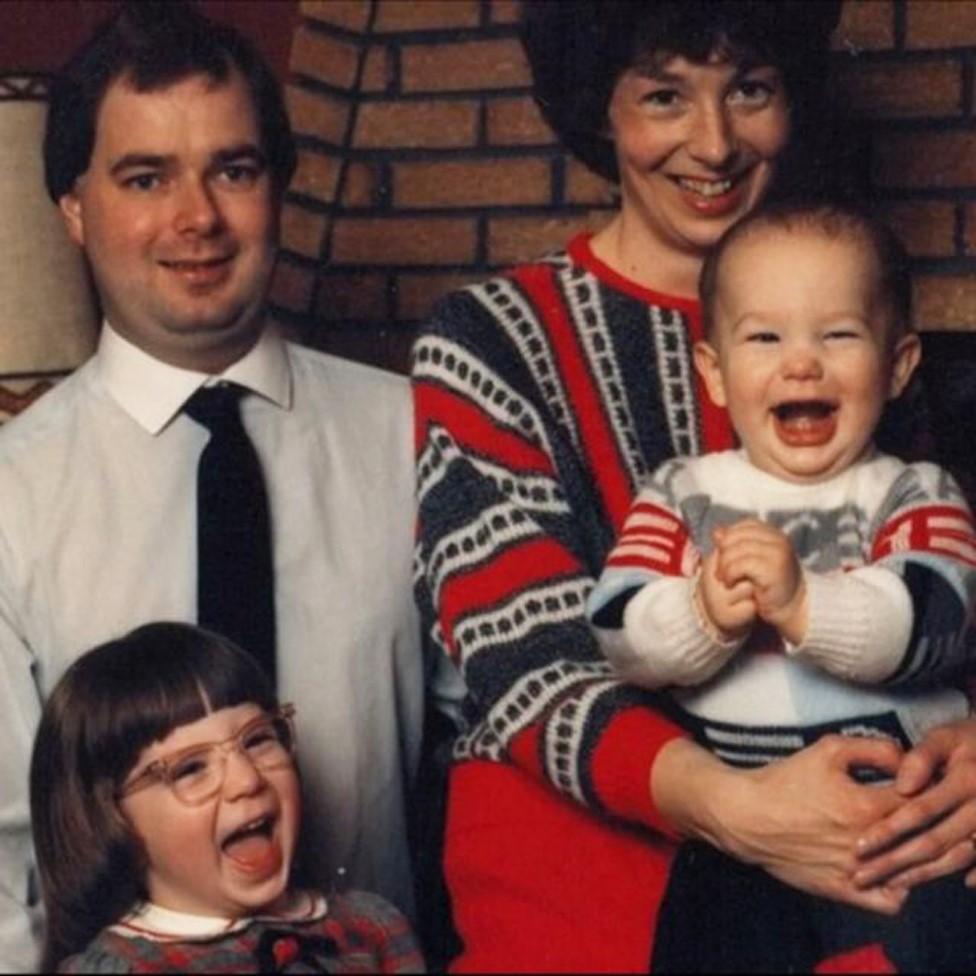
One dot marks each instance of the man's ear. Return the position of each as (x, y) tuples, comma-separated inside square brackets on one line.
[(707, 364), (70, 206), (904, 360)]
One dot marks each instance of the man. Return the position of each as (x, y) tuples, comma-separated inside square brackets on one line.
[(168, 151)]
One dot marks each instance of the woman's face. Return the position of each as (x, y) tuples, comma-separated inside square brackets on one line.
[(697, 145)]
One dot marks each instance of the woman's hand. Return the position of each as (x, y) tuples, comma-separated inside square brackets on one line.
[(932, 834), (797, 818)]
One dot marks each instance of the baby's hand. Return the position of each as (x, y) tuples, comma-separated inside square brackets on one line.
[(731, 610), (760, 554)]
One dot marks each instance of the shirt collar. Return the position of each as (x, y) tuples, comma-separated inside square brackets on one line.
[(158, 924), (153, 392)]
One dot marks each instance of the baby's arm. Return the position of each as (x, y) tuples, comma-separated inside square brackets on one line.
[(646, 609)]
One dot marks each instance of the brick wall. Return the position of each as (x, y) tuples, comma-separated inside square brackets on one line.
[(425, 164)]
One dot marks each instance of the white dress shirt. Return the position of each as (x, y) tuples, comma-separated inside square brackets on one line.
[(98, 535)]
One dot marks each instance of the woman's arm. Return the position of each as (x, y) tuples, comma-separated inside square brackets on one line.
[(797, 818), (934, 833), (509, 537)]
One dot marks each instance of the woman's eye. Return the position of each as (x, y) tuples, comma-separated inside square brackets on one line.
[(662, 98), (751, 91)]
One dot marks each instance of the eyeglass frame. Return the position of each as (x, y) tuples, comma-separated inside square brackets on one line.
[(159, 770)]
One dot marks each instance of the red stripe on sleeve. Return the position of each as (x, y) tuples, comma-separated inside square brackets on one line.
[(472, 428), (513, 571)]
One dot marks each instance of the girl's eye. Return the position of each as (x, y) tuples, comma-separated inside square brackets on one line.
[(192, 767), (260, 739)]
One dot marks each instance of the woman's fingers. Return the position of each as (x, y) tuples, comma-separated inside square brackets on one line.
[(958, 857)]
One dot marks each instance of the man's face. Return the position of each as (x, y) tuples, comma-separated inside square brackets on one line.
[(178, 217)]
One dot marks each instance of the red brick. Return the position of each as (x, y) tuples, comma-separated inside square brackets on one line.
[(517, 122), (317, 175), (464, 66), (584, 186), (901, 90), (351, 14), (514, 239), (405, 240), (935, 159), (865, 25), (474, 183), (352, 296), (926, 228), (940, 23), (395, 15), (969, 231), (316, 114), (324, 58), (361, 182), (416, 294), (378, 70), (945, 302), (302, 230), (427, 124), (505, 11), (292, 286)]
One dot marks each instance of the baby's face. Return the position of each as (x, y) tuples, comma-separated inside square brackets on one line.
[(800, 353), (231, 854)]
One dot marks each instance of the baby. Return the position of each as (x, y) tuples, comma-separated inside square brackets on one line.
[(805, 583), (166, 806)]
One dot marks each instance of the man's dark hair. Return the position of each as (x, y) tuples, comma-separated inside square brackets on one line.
[(579, 48), (834, 222), (154, 45)]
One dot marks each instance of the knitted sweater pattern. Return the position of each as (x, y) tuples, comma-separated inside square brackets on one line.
[(888, 551), (542, 398)]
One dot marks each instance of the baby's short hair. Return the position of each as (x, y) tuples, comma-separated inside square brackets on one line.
[(832, 221)]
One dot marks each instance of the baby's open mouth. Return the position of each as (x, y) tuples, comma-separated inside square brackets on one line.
[(805, 423)]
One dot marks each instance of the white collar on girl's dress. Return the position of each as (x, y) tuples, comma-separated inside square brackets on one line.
[(149, 921)]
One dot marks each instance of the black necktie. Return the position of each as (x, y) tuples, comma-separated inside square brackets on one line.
[(235, 584)]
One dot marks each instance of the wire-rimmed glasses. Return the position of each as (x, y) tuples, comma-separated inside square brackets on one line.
[(196, 774)]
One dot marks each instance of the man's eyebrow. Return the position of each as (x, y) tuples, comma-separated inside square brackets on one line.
[(139, 160), (235, 154)]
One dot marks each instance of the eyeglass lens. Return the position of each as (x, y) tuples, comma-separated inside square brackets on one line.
[(198, 774)]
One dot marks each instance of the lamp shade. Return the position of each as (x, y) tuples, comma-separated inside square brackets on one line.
[(48, 316)]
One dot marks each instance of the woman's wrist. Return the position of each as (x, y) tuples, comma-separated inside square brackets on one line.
[(686, 782)]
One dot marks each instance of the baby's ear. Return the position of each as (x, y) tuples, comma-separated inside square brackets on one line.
[(707, 364), (904, 360)]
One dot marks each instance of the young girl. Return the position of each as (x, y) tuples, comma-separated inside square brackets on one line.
[(166, 804)]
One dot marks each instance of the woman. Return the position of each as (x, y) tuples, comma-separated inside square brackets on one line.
[(542, 397)]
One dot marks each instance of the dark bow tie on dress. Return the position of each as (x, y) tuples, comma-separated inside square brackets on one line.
[(277, 949)]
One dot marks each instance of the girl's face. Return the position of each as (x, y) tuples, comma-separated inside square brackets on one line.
[(230, 855), (696, 145)]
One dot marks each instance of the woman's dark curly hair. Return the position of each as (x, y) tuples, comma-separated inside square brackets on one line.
[(579, 48)]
